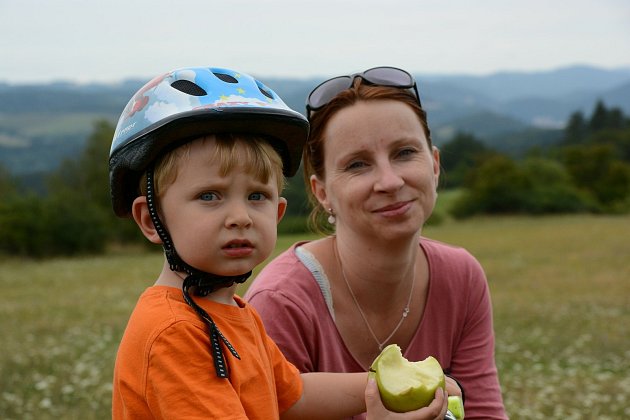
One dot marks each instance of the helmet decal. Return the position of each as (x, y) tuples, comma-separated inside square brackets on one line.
[(139, 100), (159, 99)]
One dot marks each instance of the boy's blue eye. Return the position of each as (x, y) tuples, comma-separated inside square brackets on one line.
[(208, 196), (257, 196)]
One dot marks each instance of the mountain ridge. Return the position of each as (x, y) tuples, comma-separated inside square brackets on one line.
[(42, 124)]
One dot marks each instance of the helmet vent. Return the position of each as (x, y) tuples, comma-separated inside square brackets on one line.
[(226, 77), (265, 92), (189, 87)]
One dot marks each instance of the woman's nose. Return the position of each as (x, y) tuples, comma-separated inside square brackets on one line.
[(388, 179)]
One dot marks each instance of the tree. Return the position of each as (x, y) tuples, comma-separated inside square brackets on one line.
[(295, 193), (497, 186), (533, 186), (599, 118), (459, 156), (619, 139), (75, 217), (615, 119), (86, 180), (88, 175), (36, 226), (576, 129), (551, 189), (595, 169), (8, 185), (603, 118)]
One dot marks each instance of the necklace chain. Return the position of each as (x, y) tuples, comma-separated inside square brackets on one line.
[(405, 311)]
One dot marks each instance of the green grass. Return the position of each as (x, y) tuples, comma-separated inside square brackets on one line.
[(560, 289), (561, 296)]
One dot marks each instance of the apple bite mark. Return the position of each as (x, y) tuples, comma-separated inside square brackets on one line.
[(404, 385)]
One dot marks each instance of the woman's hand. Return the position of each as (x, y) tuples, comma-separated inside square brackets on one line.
[(452, 388), (377, 411)]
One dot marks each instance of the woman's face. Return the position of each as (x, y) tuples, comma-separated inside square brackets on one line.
[(380, 174)]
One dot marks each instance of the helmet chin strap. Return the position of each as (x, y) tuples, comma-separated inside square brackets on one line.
[(201, 282)]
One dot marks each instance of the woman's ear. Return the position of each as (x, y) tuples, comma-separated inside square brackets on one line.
[(140, 213), (319, 191), (436, 165)]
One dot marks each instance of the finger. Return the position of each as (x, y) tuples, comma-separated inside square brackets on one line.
[(373, 404), (441, 397), (452, 387)]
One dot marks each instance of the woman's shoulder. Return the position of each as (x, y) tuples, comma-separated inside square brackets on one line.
[(452, 263), (443, 250), (284, 274)]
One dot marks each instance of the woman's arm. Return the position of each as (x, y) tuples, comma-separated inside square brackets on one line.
[(473, 362)]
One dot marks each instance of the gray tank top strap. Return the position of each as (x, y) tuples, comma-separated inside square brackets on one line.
[(316, 269)]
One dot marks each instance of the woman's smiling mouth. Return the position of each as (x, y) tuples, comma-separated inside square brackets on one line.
[(395, 209)]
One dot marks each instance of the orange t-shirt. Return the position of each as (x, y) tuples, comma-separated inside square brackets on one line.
[(164, 367)]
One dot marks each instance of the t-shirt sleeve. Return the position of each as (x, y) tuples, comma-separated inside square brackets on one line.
[(473, 362), (181, 380), (289, 385)]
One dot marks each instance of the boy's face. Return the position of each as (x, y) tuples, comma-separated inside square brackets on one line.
[(223, 225)]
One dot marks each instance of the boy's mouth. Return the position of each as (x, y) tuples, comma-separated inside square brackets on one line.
[(238, 248), (238, 244)]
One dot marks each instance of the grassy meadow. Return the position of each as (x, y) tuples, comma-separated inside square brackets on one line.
[(560, 289)]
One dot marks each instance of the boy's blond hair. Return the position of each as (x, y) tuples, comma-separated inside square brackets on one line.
[(252, 153)]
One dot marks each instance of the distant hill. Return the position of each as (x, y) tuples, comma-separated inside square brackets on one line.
[(506, 86), (42, 124)]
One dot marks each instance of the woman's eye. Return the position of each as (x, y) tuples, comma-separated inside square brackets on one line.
[(208, 196), (357, 164), (257, 196), (407, 152)]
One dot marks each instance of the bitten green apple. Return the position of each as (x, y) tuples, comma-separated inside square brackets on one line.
[(404, 385), (456, 406)]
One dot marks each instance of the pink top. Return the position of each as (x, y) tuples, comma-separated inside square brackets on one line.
[(456, 327)]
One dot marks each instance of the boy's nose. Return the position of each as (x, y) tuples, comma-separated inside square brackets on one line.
[(238, 217)]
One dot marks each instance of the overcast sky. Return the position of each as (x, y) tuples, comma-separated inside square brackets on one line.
[(110, 40)]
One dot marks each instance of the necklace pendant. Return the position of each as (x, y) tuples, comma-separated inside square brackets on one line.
[(405, 312)]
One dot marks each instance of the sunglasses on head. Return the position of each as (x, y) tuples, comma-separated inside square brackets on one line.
[(379, 76)]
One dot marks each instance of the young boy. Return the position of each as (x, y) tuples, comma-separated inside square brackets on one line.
[(198, 160)]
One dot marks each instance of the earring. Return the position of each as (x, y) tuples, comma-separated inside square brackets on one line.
[(331, 217)]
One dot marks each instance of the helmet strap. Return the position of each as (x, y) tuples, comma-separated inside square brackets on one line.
[(201, 282), (216, 337)]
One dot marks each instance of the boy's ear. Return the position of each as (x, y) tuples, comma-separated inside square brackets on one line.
[(282, 208), (140, 213)]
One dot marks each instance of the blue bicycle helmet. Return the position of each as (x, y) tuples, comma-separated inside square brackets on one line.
[(184, 104)]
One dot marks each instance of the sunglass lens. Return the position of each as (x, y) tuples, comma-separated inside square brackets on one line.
[(389, 76), (324, 93)]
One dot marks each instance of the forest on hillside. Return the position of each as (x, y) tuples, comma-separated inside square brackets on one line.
[(587, 170)]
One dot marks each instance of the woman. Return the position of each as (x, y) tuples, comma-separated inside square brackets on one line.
[(332, 304)]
